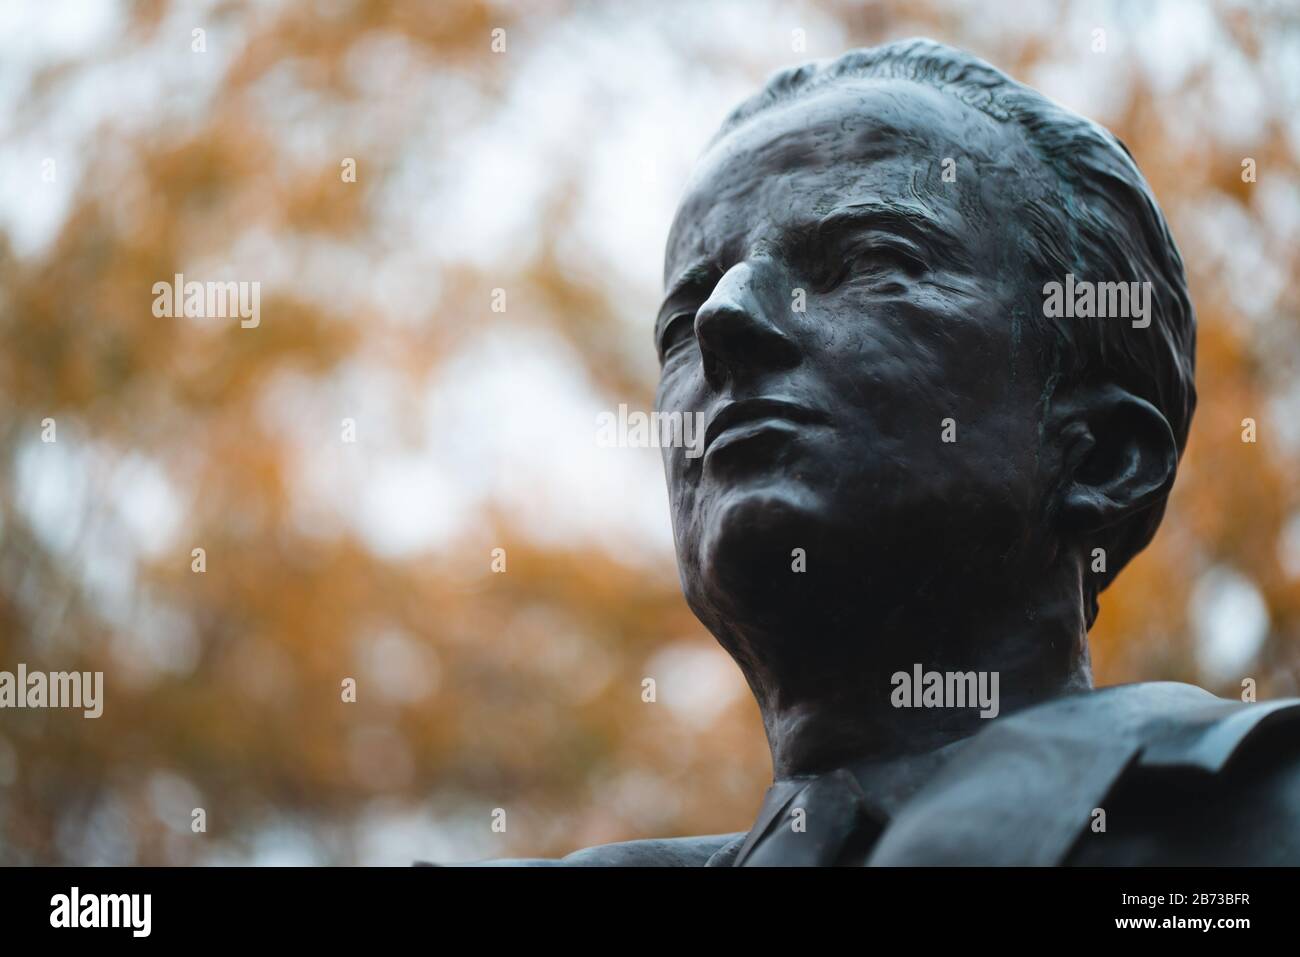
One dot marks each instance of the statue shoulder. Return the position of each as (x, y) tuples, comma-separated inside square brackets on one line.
[(1224, 792), (657, 852), (1116, 764)]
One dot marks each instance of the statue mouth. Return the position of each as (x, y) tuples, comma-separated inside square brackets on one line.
[(749, 417)]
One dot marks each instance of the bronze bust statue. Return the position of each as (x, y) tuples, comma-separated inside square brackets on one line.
[(919, 472)]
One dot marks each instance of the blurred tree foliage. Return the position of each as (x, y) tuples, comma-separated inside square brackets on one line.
[(522, 690)]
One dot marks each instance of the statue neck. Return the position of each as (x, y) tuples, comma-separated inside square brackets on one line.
[(847, 698)]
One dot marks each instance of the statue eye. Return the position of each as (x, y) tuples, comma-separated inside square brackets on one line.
[(677, 330), (880, 259)]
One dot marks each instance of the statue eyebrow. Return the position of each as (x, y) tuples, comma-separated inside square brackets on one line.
[(697, 274), (913, 223)]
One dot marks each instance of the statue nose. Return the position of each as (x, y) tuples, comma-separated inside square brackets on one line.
[(735, 331)]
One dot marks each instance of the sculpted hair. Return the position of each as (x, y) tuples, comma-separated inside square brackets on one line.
[(1103, 225)]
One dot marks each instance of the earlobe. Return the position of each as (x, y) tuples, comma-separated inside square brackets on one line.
[(1119, 457)]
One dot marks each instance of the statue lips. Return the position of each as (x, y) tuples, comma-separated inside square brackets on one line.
[(745, 419)]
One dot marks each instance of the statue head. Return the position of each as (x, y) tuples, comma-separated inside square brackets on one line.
[(875, 295)]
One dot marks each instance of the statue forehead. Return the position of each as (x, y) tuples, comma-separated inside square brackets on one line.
[(851, 141)]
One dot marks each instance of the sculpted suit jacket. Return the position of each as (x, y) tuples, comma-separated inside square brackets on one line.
[(1145, 774)]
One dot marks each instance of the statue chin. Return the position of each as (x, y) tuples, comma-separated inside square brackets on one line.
[(754, 557)]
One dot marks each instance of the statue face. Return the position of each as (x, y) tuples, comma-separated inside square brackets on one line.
[(856, 331)]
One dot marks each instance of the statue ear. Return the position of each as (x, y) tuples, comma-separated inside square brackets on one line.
[(1119, 457)]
